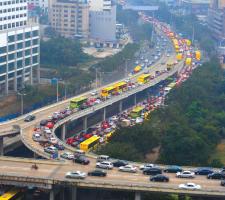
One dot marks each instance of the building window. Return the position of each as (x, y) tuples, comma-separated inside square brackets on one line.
[(11, 56), (20, 45), (2, 69), (2, 50), (27, 61), (11, 66), (11, 38), (2, 59), (35, 59), (19, 64), (19, 54), (11, 47), (27, 52), (28, 43), (35, 33), (20, 36), (27, 35)]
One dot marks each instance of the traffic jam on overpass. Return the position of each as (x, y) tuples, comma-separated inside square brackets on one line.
[(42, 140)]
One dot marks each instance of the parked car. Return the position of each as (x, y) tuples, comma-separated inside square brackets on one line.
[(29, 118), (190, 186), (128, 168), (120, 163), (51, 149), (159, 178), (203, 171), (81, 159), (67, 155), (97, 172), (216, 175), (185, 174), (152, 171), (76, 174), (173, 169), (104, 165)]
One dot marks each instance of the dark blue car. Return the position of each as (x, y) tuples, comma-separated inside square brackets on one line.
[(203, 171)]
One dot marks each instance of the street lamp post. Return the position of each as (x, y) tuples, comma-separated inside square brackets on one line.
[(57, 90), (22, 104)]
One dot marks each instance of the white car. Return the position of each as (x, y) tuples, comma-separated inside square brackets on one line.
[(76, 174), (104, 165), (67, 155), (146, 166), (36, 137), (128, 168), (93, 93), (185, 174), (139, 120), (190, 186), (53, 140)]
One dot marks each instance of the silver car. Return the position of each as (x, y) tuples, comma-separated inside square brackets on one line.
[(76, 174), (128, 168)]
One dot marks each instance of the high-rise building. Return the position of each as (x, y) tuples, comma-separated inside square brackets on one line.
[(103, 20), (69, 18), (216, 19), (19, 47), (43, 4)]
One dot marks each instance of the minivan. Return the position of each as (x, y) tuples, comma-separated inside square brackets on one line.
[(101, 158)]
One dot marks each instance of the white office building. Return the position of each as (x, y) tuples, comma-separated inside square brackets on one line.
[(19, 47), (102, 20)]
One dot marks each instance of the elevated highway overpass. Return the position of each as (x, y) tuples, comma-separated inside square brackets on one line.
[(51, 174)]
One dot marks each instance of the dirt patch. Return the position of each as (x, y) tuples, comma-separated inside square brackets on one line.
[(153, 155), (9, 104)]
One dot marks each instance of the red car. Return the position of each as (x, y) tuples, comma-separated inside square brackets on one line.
[(50, 125), (105, 125), (70, 141), (88, 135)]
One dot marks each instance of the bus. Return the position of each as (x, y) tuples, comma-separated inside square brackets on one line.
[(121, 86), (12, 194), (137, 111), (108, 91), (144, 78), (77, 102), (90, 143)]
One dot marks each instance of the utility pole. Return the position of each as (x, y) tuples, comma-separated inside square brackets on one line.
[(193, 34)]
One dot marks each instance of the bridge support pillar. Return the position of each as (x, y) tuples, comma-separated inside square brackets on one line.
[(63, 132), (137, 196), (120, 106), (1, 147), (104, 114), (135, 99), (62, 194), (85, 123), (73, 193), (35, 155), (52, 195)]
